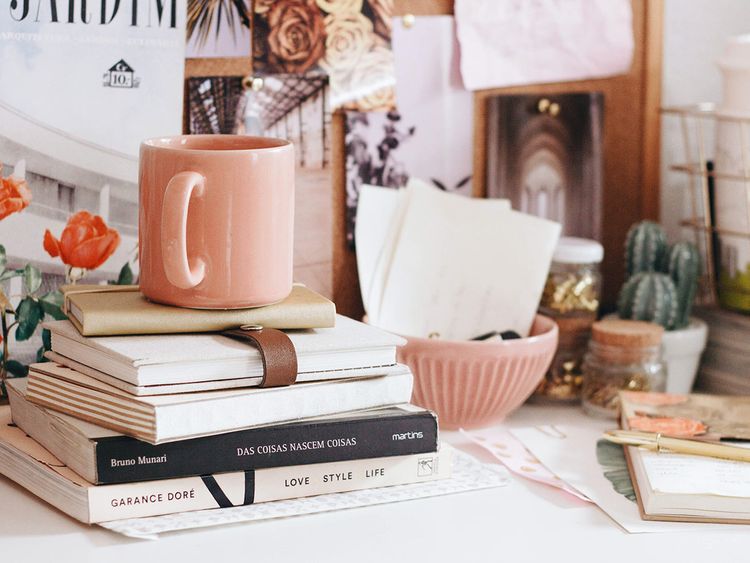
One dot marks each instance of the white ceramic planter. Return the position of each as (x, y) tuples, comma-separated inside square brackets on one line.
[(682, 351)]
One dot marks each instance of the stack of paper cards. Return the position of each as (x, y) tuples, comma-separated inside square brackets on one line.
[(434, 262)]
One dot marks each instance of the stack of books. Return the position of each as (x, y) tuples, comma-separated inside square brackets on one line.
[(120, 425), (723, 365)]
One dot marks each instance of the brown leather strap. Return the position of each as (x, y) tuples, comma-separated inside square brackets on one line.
[(276, 351)]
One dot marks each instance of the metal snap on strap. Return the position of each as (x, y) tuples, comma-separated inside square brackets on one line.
[(251, 327)]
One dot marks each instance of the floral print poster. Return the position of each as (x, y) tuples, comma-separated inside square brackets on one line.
[(349, 40)]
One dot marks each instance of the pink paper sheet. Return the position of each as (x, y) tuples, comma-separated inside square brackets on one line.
[(513, 42), (514, 455)]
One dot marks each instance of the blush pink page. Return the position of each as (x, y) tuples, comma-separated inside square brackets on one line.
[(514, 42), (514, 455)]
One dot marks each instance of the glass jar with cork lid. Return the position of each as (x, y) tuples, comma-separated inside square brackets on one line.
[(571, 297), (622, 355)]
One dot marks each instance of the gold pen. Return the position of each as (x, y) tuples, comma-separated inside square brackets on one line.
[(659, 443)]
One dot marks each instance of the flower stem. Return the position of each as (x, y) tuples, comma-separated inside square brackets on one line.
[(3, 369)]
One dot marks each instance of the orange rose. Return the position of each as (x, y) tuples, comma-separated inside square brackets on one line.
[(15, 195), (676, 427), (296, 40), (86, 241)]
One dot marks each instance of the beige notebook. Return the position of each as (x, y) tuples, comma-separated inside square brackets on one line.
[(98, 310)]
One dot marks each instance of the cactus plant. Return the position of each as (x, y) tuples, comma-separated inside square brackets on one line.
[(684, 267), (662, 281), (649, 296), (645, 248)]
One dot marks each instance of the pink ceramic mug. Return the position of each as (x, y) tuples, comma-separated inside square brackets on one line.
[(216, 220)]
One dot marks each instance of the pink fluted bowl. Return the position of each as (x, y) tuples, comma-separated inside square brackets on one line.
[(471, 384)]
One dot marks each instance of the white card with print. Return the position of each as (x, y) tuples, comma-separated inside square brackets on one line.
[(465, 266)]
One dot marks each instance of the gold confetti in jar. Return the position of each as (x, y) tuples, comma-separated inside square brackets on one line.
[(622, 355), (571, 298)]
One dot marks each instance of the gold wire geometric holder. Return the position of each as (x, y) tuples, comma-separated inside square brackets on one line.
[(698, 124)]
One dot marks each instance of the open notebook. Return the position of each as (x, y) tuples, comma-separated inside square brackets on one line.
[(676, 487)]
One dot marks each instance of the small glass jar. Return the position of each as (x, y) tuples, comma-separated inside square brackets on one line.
[(622, 356), (571, 297)]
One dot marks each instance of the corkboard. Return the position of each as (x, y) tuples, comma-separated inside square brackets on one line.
[(631, 149)]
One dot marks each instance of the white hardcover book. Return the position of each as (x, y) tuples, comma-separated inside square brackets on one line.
[(27, 463), (350, 349), (166, 418)]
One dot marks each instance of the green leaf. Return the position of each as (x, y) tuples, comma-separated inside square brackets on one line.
[(32, 278), (3, 259), (29, 313), (40, 355), (46, 339), (53, 311), (126, 275), (16, 369), (52, 304), (55, 297), (8, 274)]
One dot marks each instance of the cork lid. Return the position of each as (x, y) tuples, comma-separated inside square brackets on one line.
[(626, 333)]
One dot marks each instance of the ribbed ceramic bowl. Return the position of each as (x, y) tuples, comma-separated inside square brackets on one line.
[(473, 384)]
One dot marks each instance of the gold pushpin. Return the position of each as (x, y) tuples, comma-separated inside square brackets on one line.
[(254, 83)]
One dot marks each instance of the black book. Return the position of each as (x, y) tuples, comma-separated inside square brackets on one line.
[(102, 456)]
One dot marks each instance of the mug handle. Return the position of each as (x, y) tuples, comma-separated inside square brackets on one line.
[(174, 215)]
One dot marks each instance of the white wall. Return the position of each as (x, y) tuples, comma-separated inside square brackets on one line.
[(694, 34)]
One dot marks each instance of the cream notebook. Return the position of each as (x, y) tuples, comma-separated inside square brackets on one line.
[(350, 349)]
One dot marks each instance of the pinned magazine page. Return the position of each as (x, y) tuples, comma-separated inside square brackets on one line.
[(432, 99), (77, 100), (374, 144), (509, 43), (213, 32), (544, 154), (465, 266), (216, 105), (348, 41), (427, 136)]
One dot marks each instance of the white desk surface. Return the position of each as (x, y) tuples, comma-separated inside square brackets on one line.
[(523, 521)]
